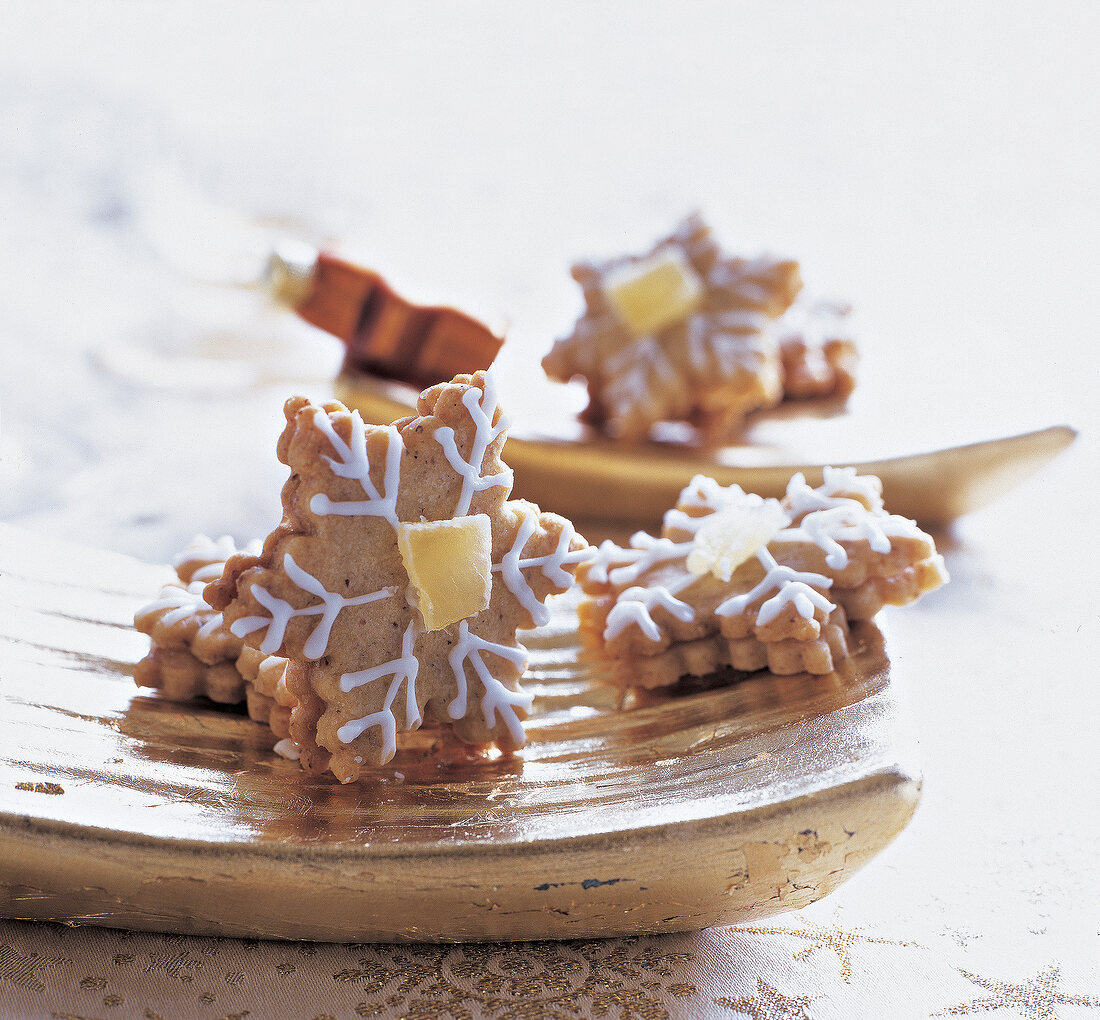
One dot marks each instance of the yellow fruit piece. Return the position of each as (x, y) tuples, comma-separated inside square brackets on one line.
[(732, 534), (654, 292), (450, 565)]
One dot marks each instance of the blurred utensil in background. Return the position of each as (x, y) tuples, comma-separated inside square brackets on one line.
[(290, 263), (385, 334), (391, 347)]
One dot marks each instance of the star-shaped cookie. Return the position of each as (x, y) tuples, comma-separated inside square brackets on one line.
[(398, 578), (680, 333), (192, 653), (817, 352), (737, 580)]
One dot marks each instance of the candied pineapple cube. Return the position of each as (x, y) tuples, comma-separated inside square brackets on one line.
[(732, 534), (654, 292), (450, 565)]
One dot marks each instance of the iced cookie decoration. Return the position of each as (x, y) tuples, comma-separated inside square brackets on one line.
[(398, 578), (204, 559), (681, 333), (751, 583), (686, 333), (192, 652), (817, 352)]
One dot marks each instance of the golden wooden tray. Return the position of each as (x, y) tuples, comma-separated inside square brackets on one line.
[(583, 475), (714, 805)]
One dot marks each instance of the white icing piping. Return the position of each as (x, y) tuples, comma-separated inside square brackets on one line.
[(727, 351), (630, 371), (803, 499), (743, 321), (825, 529), (481, 413), (680, 521), (282, 612), (847, 479), (698, 332), (792, 587), (552, 565), (740, 275), (212, 554), (181, 603), (816, 321), (497, 700), (211, 627), (703, 492), (602, 559), (613, 564), (645, 552), (208, 573), (634, 607), (287, 749), (353, 463), (208, 549), (404, 670)]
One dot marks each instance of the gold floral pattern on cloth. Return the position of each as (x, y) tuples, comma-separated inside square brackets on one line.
[(781, 972), (163, 977), (619, 977), (768, 1004), (24, 971)]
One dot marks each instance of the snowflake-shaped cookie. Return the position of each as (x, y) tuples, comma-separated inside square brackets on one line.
[(398, 578), (681, 333), (192, 651), (737, 580), (818, 354)]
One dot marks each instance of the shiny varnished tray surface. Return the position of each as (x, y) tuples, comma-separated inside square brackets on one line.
[(565, 468), (716, 804)]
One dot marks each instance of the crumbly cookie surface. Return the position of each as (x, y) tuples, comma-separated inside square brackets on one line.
[(192, 652), (687, 333), (737, 580), (341, 590), (709, 362), (817, 352)]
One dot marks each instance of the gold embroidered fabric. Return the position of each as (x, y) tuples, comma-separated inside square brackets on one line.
[(812, 964)]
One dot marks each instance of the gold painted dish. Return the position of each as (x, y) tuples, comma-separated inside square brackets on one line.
[(709, 805), (565, 468)]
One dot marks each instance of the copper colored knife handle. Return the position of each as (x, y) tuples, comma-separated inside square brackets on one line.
[(384, 333)]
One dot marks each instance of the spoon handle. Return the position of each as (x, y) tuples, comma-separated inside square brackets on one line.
[(384, 334)]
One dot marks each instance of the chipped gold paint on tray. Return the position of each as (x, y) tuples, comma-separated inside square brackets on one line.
[(719, 804)]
